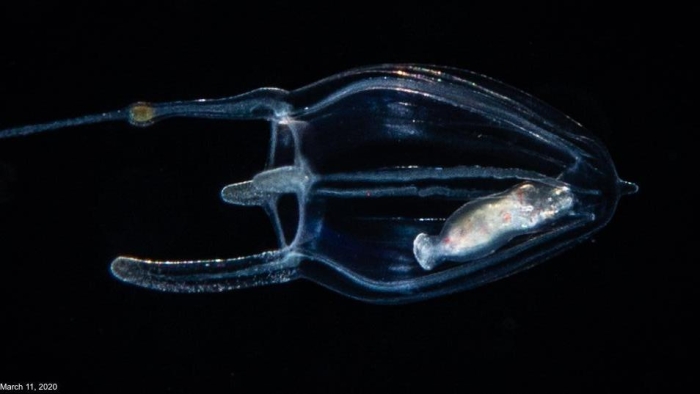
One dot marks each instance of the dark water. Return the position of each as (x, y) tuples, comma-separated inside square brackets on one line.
[(606, 316)]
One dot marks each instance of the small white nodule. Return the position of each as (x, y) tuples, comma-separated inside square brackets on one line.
[(423, 249)]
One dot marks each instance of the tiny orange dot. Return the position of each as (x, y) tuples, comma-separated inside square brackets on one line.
[(506, 217)]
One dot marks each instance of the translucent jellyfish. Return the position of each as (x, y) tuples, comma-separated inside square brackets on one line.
[(410, 182)]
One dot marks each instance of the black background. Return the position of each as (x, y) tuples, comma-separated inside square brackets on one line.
[(606, 316)]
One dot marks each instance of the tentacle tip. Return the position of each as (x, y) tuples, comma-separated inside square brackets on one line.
[(627, 188), (127, 270)]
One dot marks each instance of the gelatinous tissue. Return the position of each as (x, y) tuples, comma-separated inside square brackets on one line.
[(410, 182)]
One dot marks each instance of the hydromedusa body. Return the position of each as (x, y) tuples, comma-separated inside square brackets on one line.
[(410, 182)]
